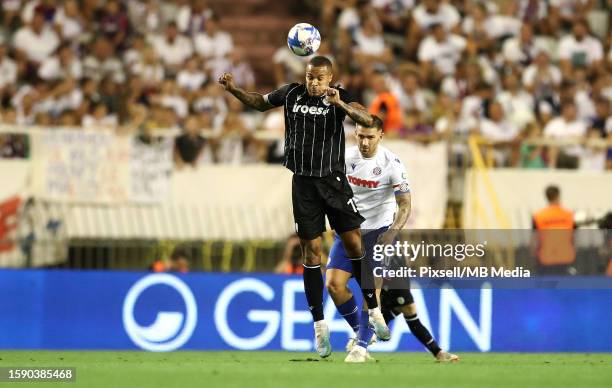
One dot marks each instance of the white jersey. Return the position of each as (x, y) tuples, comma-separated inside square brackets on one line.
[(375, 182)]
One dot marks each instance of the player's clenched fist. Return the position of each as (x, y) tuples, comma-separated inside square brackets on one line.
[(333, 96), (227, 80)]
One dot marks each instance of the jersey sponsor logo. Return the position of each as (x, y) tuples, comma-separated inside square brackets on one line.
[(313, 110), (362, 182), (377, 171)]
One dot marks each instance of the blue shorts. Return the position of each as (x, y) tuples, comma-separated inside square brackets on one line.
[(337, 255)]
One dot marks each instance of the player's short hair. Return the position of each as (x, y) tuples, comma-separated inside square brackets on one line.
[(320, 61), (552, 193), (377, 123)]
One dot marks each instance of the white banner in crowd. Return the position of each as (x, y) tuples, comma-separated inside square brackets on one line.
[(427, 167), (100, 167)]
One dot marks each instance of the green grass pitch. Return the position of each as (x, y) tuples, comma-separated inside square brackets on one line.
[(295, 370)]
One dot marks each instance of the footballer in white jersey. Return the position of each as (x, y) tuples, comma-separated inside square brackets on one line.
[(375, 182), (382, 194)]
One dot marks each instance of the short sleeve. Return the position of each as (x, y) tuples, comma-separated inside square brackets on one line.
[(346, 96), (278, 96), (399, 177)]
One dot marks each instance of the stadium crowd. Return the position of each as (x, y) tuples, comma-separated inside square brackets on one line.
[(529, 76)]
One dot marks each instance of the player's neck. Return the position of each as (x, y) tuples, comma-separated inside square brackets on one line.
[(370, 155)]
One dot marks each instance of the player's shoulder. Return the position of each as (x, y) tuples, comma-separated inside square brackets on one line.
[(352, 152), (387, 156)]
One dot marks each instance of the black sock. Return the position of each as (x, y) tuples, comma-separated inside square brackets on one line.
[(388, 315), (313, 286), (422, 334), (365, 280)]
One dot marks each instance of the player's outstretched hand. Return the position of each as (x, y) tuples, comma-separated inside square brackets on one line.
[(333, 96), (227, 80)]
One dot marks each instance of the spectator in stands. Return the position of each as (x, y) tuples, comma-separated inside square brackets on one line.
[(10, 13), (370, 47), (439, 54), (478, 26), (173, 48), (191, 77), (192, 18), (178, 262), (114, 23), (416, 129), (235, 64), (566, 127), (99, 118), (410, 93), (145, 15), (46, 7), (425, 16), (522, 50), (69, 22), (148, 68), (542, 79), (579, 49), (518, 104), (386, 105), (64, 64), (35, 42), (593, 156), (554, 237), (602, 121), (101, 62), (394, 15), (563, 13), (532, 155), (170, 96), (213, 42), (291, 263), (8, 73), (496, 128), (188, 147)]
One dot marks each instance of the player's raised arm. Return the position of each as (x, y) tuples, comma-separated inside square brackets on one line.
[(252, 99), (354, 110)]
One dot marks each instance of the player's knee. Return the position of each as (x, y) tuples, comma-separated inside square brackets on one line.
[(311, 256), (334, 287), (409, 309)]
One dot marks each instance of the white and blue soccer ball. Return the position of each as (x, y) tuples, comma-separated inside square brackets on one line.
[(304, 39)]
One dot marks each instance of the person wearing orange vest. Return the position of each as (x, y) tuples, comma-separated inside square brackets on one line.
[(386, 105), (554, 227)]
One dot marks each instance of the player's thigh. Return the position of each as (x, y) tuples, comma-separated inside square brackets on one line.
[(340, 206), (336, 280), (308, 208), (397, 299), (311, 250), (352, 243), (338, 259)]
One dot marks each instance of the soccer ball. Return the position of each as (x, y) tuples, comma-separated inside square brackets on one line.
[(303, 39)]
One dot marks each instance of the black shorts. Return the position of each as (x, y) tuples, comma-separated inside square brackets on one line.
[(314, 198), (393, 296)]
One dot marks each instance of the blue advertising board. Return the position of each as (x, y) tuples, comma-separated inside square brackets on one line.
[(207, 311)]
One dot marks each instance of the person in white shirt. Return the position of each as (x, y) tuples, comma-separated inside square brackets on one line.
[(191, 18), (542, 78), (439, 53), (172, 48), (518, 104), (63, 65), (579, 49), (36, 41), (497, 129), (8, 72), (101, 62), (370, 44), (427, 14), (567, 127), (191, 78), (213, 43), (409, 92), (381, 190), (523, 48), (69, 21)]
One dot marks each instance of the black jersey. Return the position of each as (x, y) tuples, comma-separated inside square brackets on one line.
[(314, 131)]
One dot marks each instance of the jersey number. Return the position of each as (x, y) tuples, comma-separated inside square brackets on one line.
[(352, 203)]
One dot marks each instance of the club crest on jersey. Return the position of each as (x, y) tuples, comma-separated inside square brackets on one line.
[(313, 110), (377, 171)]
